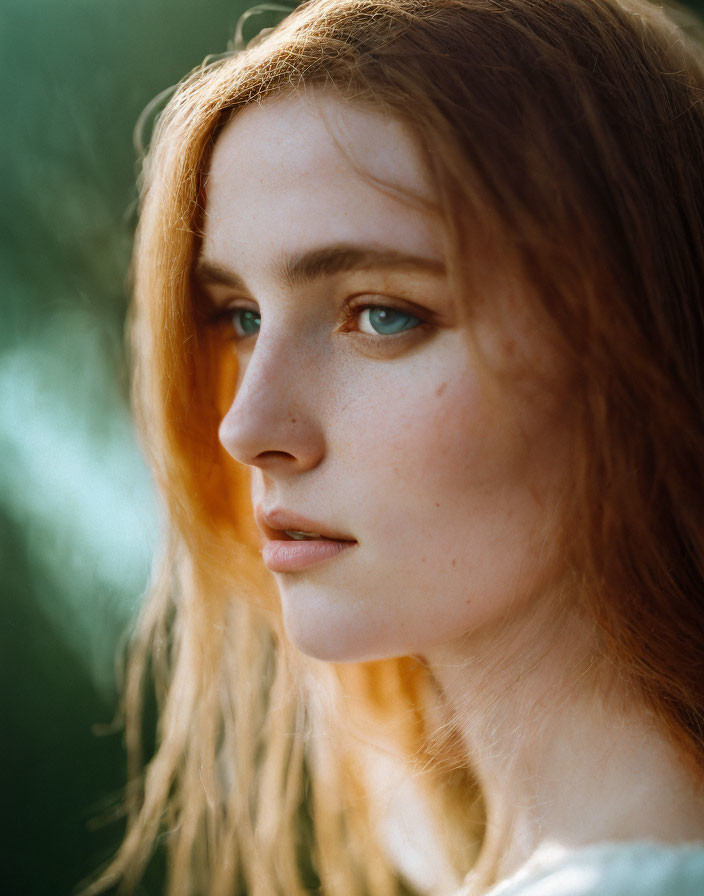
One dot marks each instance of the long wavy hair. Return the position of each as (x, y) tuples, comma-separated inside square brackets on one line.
[(574, 132)]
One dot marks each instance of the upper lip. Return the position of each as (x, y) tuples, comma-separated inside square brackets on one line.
[(277, 520)]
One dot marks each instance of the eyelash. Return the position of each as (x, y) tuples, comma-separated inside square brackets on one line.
[(351, 313)]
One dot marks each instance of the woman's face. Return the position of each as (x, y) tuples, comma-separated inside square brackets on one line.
[(363, 409)]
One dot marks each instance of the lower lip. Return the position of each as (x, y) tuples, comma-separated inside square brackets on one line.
[(290, 556)]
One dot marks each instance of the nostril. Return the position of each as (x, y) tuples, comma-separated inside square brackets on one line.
[(274, 455)]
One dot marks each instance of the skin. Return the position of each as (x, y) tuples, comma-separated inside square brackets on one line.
[(448, 478), (397, 441)]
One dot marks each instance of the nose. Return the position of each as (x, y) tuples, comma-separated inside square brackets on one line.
[(274, 421)]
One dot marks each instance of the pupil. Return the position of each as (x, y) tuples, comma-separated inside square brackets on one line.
[(388, 320)]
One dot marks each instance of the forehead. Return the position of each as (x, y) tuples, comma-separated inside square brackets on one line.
[(314, 169)]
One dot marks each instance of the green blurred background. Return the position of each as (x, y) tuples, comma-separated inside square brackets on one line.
[(77, 513)]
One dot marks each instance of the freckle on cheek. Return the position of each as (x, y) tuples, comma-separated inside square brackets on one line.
[(440, 389), (454, 562)]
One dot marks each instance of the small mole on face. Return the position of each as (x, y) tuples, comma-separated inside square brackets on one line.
[(440, 389), (293, 419), (454, 562), (510, 347)]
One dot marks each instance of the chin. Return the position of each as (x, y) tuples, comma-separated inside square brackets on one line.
[(335, 641), (333, 649)]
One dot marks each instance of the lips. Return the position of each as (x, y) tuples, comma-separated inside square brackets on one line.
[(275, 524), (294, 542)]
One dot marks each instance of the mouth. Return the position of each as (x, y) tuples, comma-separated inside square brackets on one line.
[(293, 542), (278, 524), (304, 536), (297, 535)]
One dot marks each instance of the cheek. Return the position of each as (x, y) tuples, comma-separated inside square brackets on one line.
[(440, 435), (448, 482), (416, 449)]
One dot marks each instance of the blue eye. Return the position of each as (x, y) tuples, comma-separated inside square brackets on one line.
[(246, 322), (380, 321)]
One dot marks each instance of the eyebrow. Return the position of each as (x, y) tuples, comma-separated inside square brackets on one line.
[(304, 267)]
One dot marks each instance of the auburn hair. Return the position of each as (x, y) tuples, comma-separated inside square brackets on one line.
[(574, 132)]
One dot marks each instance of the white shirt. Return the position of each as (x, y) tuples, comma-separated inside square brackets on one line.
[(607, 869)]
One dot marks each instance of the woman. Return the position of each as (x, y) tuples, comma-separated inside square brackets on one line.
[(419, 342)]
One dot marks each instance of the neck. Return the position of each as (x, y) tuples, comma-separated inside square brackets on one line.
[(565, 754)]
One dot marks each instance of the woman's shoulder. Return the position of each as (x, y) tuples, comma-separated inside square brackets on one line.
[(610, 869)]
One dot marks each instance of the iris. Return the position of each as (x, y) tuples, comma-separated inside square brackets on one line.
[(387, 321), (246, 321)]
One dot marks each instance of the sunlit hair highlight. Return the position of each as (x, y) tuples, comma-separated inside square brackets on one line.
[(574, 132)]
